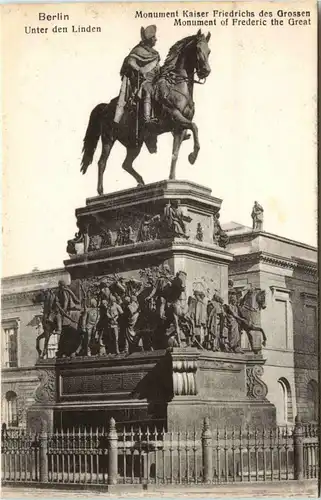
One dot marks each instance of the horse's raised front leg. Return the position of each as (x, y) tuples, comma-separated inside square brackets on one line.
[(40, 337), (259, 329), (184, 123), (264, 337), (106, 149), (178, 138), (132, 153)]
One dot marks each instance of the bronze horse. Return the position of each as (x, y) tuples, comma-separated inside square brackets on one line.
[(48, 323), (173, 97), (249, 307)]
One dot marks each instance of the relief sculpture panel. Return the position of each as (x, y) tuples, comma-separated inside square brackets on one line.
[(152, 309)]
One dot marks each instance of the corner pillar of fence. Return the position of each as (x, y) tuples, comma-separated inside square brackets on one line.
[(207, 451), (43, 455), (298, 449), (112, 452)]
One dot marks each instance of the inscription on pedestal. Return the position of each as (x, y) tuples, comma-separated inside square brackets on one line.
[(99, 384)]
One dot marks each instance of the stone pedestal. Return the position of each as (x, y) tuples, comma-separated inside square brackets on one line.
[(124, 232), (225, 387), (124, 239), (176, 388), (40, 416)]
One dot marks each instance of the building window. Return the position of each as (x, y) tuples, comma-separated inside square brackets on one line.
[(286, 409), (10, 344), (281, 330), (11, 409), (313, 401)]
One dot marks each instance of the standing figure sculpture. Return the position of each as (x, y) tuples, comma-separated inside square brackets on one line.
[(220, 236), (197, 310), (177, 311), (215, 319), (257, 217), (233, 320), (170, 88), (90, 320), (113, 311), (157, 297), (133, 341), (174, 220)]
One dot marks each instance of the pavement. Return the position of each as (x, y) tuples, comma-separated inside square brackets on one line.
[(284, 489)]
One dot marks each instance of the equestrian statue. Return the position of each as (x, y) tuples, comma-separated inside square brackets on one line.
[(153, 100), (250, 306)]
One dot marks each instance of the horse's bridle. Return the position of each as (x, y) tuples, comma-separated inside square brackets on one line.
[(172, 77)]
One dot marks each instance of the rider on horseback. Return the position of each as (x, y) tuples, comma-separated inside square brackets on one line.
[(138, 71)]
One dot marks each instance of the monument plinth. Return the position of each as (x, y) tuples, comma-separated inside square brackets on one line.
[(174, 388), (144, 333), (169, 221)]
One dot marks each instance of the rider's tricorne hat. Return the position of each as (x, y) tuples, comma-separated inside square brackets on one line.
[(148, 33)]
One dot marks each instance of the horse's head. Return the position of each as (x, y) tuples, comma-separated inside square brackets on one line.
[(180, 279), (260, 299), (190, 53), (254, 299), (202, 54)]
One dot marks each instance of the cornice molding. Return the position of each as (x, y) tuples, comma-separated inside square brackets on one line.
[(250, 235), (34, 274), (278, 261)]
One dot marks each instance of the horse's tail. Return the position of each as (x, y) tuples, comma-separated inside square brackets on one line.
[(92, 136)]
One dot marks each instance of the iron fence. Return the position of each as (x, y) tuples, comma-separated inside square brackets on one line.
[(155, 456), (20, 456)]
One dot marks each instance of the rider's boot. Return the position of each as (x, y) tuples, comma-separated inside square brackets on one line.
[(150, 137), (148, 119)]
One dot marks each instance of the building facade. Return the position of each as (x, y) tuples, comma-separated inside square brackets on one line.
[(21, 309), (285, 269)]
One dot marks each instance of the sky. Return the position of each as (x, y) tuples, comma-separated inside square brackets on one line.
[(256, 116)]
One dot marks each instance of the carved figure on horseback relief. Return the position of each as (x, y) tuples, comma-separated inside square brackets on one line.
[(154, 99)]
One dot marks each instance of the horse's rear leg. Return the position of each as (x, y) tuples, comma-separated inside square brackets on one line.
[(178, 138), (184, 123), (106, 149)]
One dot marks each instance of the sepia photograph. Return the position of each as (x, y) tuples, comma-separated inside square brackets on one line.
[(159, 272)]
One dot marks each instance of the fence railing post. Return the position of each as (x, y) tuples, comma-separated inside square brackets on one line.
[(298, 449), (112, 452), (207, 452), (43, 455)]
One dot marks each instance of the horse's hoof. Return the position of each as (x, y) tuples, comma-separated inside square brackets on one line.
[(140, 184), (192, 158)]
